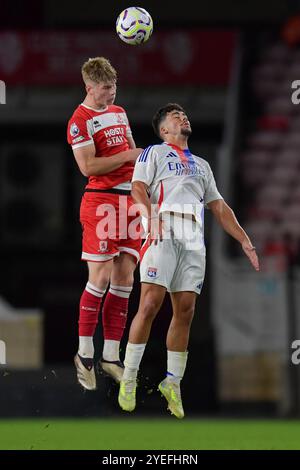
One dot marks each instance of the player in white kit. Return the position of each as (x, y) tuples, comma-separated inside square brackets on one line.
[(173, 186)]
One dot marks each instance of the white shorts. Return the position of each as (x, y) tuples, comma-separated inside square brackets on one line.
[(174, 262)]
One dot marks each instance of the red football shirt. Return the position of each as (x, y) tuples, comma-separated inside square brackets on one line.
[(108, 130)]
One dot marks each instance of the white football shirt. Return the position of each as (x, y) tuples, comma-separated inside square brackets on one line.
[(178, 181)]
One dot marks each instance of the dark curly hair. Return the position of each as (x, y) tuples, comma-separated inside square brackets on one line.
[(160, 115)]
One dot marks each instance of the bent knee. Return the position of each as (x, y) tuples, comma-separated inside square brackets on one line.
[(149, 309), (185, 316)]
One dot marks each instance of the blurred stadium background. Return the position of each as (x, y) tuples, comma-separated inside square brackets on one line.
[(231, 65)]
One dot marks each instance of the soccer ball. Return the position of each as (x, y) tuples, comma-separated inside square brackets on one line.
[(134, 25)]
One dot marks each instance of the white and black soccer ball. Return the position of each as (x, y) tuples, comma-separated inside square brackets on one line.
[(134, 25)]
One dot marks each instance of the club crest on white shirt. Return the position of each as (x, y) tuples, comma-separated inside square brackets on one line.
[(152, 272)]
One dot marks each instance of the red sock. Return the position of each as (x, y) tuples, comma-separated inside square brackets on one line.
[(89, 307), (114, 312)]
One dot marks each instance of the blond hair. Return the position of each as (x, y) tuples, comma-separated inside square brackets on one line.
[(98, 69)]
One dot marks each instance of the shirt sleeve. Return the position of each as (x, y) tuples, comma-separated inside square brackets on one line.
[(211, 191), (79, 132), (145, 166)]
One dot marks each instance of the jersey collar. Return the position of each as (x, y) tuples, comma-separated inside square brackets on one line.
[(186, 151), (93, 109)]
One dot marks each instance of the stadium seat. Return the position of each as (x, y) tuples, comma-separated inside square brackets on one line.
[(273, 193), (269, 71), (254, 176), (292, 213), (279, 105), (265, 89), (279, 120), (288, 157), (282, 175), (295, 124), (277, 52), (259, 158), (291, 227), (293, 70), (295, 195), (265, 139), (292, 139)]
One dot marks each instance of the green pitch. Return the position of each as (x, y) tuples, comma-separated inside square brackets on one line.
[(130, 433)]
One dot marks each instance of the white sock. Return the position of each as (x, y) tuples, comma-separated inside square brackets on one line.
[(111, 350), (120, 291), (94, 290), (176, 365), (86, 346), (133, 357)]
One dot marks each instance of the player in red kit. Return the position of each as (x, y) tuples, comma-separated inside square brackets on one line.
[(105, 152)]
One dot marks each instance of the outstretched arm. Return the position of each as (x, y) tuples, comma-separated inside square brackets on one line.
[(227, 219)]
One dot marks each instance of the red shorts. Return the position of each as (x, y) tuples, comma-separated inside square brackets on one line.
[(108, 229)]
